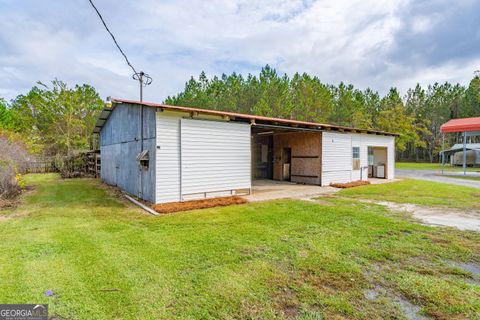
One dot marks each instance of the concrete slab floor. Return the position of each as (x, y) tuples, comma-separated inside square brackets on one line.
[(263, 190)]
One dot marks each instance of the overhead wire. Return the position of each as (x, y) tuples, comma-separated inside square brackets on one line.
[(142, 77)]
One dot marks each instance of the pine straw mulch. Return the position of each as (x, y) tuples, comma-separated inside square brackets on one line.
[(350, 184), (198, 204)]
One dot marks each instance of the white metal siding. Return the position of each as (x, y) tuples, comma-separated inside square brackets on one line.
[(336, 158), (337, 155), (215, 157), (168, 158)]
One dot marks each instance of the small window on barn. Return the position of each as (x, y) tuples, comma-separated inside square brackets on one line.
[(356, 158), (143, 158)]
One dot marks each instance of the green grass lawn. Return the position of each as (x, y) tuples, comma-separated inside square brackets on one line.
[(419, 192), (105, 259), (431, 166)]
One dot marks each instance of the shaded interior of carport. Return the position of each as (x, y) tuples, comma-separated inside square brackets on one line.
[(286, 154)]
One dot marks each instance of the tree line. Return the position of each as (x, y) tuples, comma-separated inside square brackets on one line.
[(56, 119), (416, 116), (53, 119), (50, 120)]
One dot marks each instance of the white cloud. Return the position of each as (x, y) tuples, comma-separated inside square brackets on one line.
[(422, 24)]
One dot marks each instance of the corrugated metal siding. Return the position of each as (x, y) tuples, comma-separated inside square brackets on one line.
[(120, 145), (108, 170), (168, 158), (215, 156), (337, 155)]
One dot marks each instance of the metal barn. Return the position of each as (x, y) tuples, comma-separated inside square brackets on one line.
[(163, 153)]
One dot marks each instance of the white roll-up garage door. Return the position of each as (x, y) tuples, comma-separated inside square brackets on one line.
[(336, 158), (215, 158)]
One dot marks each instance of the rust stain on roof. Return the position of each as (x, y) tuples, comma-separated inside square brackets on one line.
[(254, 118)]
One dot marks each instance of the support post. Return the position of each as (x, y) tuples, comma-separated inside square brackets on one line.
[(465, 153), (140, 81), (443, 152)]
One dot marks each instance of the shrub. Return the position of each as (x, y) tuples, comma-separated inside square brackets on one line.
[(13, 162), (9, 186)]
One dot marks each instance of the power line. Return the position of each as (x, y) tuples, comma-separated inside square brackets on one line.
[(113, 37), (143, 78)]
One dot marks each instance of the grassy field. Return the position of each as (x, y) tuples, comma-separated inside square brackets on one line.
[(419, 192), (430, 166), (339, 259)]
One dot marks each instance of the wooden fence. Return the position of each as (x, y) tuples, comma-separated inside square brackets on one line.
[(41, 165), (94, 163), (84, 164)]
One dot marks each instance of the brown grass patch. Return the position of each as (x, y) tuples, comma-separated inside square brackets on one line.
[(198, 204), (287, 304), (6, 203), (350, 184)]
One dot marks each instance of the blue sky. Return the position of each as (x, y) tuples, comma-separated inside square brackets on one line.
[(370, 43)]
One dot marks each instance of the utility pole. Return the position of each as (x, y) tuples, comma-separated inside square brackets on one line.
[(143, 80)]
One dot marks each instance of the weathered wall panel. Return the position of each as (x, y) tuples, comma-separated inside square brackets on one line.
[(119, 146)]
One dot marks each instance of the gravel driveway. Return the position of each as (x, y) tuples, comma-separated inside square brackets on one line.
[(435, 176)]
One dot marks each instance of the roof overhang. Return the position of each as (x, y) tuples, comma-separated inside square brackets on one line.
[(102, 118), (455, 150), (232, 116)]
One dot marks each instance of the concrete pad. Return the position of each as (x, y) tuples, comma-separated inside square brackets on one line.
[(263, 190)]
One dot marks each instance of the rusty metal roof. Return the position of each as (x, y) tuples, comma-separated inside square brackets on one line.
[(237, 116)]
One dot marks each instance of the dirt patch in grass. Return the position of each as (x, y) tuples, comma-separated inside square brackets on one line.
[(198, 204), (436, 216), (350, 184), (287, 304)]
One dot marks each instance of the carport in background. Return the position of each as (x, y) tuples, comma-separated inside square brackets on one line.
[(470, 129)]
